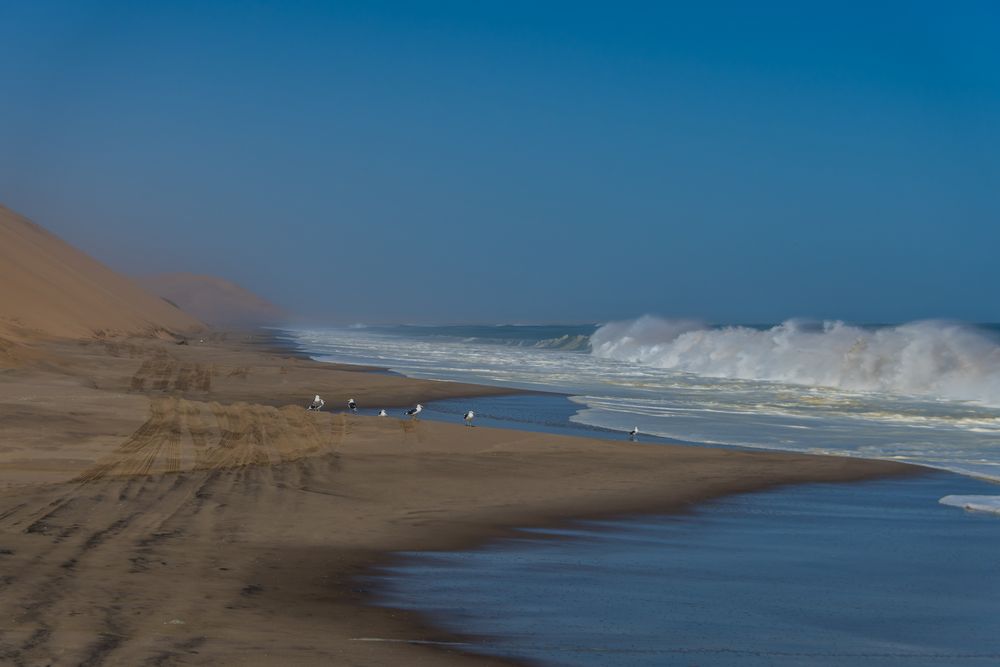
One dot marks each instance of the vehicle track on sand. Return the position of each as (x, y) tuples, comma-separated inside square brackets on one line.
[(195, 435), (115, 591), (162, 372), (104, 569)]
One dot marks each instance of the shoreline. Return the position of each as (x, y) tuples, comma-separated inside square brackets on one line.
[(299, 351), (651, 590), (221, 503), (433, 634)]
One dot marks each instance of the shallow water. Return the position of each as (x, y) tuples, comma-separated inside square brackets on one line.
[(543, 413), (874, 573)]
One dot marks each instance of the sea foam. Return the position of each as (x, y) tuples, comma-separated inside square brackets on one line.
[(934, 359), (974, 503)]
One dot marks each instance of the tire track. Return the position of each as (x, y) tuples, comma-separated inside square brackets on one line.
[(123, 516), (190, 435), (161, 372), (131, 532)]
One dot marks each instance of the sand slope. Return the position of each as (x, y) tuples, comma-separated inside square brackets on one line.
[(48, 288), (214, 300)]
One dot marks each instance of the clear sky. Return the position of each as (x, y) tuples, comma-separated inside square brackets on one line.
[(521, 161)]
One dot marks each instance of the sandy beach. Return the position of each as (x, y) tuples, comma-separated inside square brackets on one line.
[(698, 302), (175, 504)]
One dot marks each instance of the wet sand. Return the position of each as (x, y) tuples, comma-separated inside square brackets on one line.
[(175, 504)]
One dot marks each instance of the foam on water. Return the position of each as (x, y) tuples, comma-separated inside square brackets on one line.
[(930, 358), (974, 503)]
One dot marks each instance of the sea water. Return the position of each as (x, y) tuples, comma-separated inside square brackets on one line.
[(828, 575), (925, 392), (892, 572)]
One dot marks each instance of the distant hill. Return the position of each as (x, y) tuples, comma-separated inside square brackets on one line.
[(48, 288), (214, 300)]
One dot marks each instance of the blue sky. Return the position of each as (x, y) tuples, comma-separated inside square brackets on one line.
[(521, 161)]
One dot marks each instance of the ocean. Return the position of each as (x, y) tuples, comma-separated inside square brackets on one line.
[(924, 392), (876, 573), (872, 574)]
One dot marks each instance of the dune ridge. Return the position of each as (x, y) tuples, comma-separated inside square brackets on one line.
[(214, 300)]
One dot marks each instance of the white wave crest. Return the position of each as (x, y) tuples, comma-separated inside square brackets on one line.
[(927, 358), (974, 503)]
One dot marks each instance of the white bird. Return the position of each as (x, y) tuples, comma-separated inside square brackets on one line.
[(413, 412), (382, 413), (469, 416), (634, 433), (352, 405), (317, 403)]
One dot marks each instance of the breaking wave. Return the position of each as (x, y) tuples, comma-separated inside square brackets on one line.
[(567, 342), (927, 358)]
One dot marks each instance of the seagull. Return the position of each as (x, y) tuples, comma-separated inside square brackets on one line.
[(469, 416), (317, 403), (382, 413), (352, 405), (633, 434), (413, 412)]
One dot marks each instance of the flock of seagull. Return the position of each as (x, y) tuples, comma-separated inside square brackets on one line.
[(352, 405), (318, 403)]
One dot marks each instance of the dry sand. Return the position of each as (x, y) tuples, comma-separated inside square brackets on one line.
[(175, 504), (49, 288), (214, 300)]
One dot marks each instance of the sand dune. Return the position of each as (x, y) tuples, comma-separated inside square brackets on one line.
[(13, 354), (214, 300), (48, 288)]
